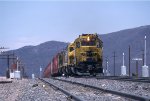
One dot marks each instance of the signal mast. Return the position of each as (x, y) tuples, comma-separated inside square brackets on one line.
[(145, 71)]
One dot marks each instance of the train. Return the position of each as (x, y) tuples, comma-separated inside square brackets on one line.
[(82, 57)]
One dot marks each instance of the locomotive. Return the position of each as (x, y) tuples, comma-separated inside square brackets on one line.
[(82, 57)]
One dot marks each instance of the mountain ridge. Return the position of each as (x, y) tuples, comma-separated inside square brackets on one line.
[(40, 55)]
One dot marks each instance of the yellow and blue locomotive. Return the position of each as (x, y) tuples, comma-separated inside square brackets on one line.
[(82, 57)]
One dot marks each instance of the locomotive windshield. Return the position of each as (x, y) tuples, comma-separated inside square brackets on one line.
[(88, 42)]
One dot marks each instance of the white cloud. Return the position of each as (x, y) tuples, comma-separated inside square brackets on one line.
[(23, 41)]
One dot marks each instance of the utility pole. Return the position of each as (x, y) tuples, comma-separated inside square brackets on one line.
[(7, 56), (129, 60), (3, 48), (114, 63)]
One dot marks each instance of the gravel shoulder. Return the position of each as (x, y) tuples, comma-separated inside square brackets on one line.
[(33, 90), (28, 90)]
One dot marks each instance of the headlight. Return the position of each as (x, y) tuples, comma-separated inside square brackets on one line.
[(88, 38)]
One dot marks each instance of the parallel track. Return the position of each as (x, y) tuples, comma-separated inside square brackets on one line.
[(3, 82), (131, 96), (71, 96), (121, 78), (132, 79)]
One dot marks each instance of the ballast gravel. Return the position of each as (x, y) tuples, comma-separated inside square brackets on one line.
[(86, 93), (29, 90), (136, 88)]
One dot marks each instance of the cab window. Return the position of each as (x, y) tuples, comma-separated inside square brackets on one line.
[(88, 42), (78, 44), (71, 49), (97, 44)]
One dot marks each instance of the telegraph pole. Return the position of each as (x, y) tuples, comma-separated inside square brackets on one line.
[(114, 63), (129, 60), (3, 48), (7, 56)]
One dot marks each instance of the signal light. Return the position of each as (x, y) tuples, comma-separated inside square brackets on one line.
[(88, 38)]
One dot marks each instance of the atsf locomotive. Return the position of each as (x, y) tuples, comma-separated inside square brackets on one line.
[(82, 57)]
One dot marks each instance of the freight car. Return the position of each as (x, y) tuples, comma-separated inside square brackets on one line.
[(47, 71), (82, 57)]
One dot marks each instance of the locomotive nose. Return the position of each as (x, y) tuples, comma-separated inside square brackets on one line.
[(89, 53)]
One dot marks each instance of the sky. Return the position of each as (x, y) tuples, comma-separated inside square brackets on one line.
[(33, 22)]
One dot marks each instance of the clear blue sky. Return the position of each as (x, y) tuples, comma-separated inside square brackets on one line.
[(34, 22)]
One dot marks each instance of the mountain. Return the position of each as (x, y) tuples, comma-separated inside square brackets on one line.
[(33, 57), (120, 41)]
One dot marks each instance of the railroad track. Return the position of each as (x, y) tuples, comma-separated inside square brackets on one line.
[(2, 82), (126, 95), (70, 96), (86, 93), (133, 79), (121, 78)]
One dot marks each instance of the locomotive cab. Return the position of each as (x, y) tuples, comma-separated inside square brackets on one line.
[(88, 54)]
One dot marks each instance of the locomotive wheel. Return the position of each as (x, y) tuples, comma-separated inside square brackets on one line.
[(64, 71), (72, 70), (60, 71), (69, 71), (75, 71), (94, 74)]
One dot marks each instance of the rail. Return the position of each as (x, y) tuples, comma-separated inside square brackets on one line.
[(133, 79), (2, 82), (71, 96), (135, 97)]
